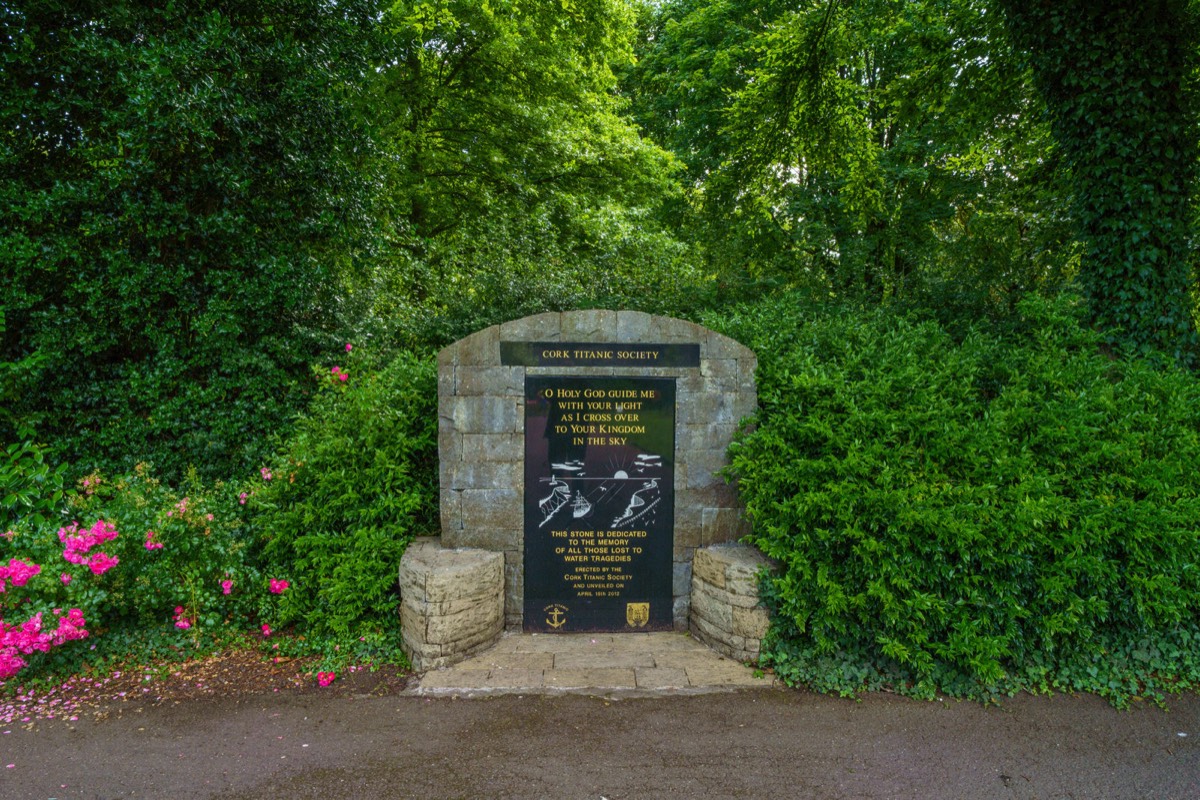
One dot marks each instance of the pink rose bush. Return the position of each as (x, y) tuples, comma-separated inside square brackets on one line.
[(18, 572), (79, 544), (18, 641), (180, 568), (28, 637)]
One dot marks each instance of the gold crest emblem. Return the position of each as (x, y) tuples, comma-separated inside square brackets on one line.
[(637, 614)]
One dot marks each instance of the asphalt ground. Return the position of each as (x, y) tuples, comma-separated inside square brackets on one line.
[(743, 743)]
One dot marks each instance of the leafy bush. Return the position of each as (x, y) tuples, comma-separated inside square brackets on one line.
[(28, 486), (481, 273), (141, 564), (334, 510), (171, 229), (974, 516)]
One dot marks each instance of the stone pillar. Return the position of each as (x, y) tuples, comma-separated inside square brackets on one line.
[(726, 612), (451, 603)]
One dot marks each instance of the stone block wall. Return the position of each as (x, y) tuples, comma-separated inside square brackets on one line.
[(451, 603), (726, 613), (481, 434)]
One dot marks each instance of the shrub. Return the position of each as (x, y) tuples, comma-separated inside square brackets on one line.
[(29, 488), (973, 516), (138, 563), (335, 508), (172, 231)]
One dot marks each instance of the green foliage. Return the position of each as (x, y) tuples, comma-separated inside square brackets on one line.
[(132, 605), (514, 182), (870, 150), (489, 104), (179, 188), (976, 515), (1118, 79), (503, 267), (347, 491), (29, 488)]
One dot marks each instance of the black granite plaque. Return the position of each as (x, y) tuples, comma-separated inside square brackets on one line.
[(612, 354), (599, 503)]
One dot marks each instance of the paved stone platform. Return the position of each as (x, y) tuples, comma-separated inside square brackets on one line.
[(632, 664)]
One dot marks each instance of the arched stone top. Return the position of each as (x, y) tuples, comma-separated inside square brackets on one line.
[(482, 348)]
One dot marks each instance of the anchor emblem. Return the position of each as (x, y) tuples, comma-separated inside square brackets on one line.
[(556, 615)]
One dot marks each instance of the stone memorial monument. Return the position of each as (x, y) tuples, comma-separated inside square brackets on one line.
[(579, 466)]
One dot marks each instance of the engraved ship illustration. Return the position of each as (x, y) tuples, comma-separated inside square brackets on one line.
[(581, 506), (560, 495)]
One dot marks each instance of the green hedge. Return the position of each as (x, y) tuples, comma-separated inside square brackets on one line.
[(973, 515), (351, 486)]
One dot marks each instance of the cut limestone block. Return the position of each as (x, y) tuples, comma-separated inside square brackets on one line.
[(726, 612), (451, 603)]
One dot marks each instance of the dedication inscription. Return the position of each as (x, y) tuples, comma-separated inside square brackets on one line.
[(599, 503)]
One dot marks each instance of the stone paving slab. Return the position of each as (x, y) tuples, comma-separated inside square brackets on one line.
[(495, 660), (593, 678), (517, 679), (610, 664), (661, 678), (607, 659)]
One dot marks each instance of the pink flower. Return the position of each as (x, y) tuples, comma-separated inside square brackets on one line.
[(208, 517), (349, 348), (10, 663), (150, 543), (226, 586), (70, 627), (278, 587), (242, 499), (336, 370), (326, 678), (78, 544), (266, 629), (102, 563), (182, 624), (266, 473), (18, 572), (65, 578), (343, 377)]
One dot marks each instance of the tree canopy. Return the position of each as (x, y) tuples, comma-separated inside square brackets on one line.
[(1119, 85), (178, 188), (197, 201), (873, 148)]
